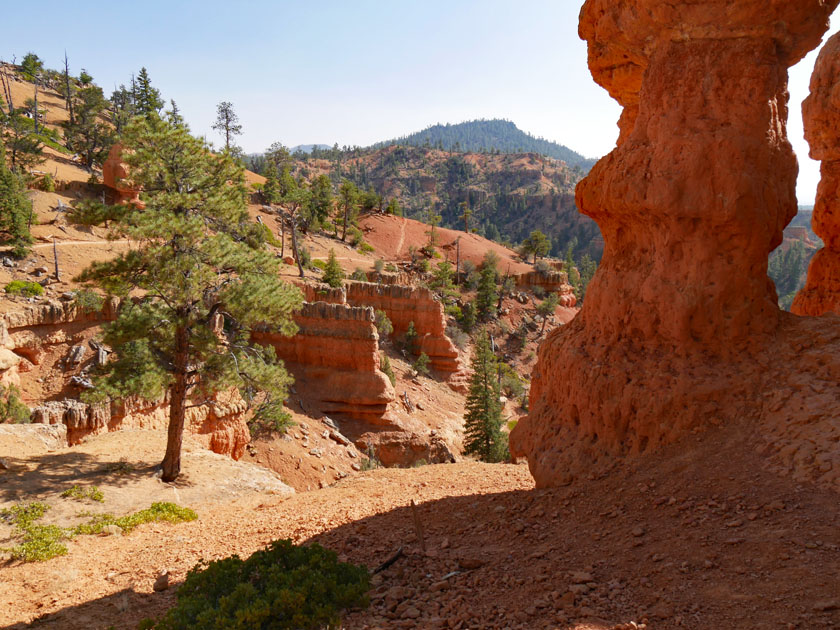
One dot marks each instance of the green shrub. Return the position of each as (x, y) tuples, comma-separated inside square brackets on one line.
[(378, 265), (168, 512), (319, 264), (391, 267), (333, 274), (305, 258), (284, 586), (421, 365), (24, 288), (410, 337), (12, 409), (366, 248), (359, 275), (383, 324), (81, 493), (47, 183), (41, 542), (88, 300), (385, 368)]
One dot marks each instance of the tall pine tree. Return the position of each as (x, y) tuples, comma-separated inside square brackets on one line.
[(200, 279), (483, 435), (15, 209)]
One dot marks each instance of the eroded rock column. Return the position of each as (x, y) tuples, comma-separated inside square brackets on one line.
[(821, 115), (690, 203)]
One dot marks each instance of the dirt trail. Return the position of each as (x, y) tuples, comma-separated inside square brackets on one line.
[(402, 237), (699, 536)]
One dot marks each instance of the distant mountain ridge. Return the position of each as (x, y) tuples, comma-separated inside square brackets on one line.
[(307, 148), (488, 136)]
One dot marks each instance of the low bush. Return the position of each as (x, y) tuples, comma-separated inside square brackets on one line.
[(284, 586), (81, 493), (24, 288), (88, 300), (12, 409), (385, 367), (421, 365)]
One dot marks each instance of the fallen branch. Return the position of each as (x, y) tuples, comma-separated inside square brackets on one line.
[(396, 556)]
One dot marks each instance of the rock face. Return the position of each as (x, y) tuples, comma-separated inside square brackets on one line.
[(680, 328), (404, 305), (336, 353), (821, 115), (25, 333), (114, 173), (550, 282)]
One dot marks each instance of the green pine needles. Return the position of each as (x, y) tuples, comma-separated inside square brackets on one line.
[(15, 210), (282, 586), (201, 280), (483, 435)]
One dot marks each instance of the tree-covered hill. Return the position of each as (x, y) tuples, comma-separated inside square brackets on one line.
[(497, 135), (508, 195)]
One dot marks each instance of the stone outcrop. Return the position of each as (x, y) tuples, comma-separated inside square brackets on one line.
[(24, 335), (551, 282), (821, 115), (680, 329), (220, 427), (322, 293), (336, 354), (114, 174), (404, 305)]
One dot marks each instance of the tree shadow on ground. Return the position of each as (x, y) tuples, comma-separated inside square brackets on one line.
[(38, 476)]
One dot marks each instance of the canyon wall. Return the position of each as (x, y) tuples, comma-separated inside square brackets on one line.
[(35, 331), (336, 354), (404, 305), (821, 115), (680, 329), (550, 282)]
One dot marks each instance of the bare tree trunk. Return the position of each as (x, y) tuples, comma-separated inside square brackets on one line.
[(35, 113), (346, 216), (282, 237), (55, 257), (294, 245), (171, 464), (7, 90), (69, 96), (458, 261)]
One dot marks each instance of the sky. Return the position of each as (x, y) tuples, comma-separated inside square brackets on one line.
[(354, 73)]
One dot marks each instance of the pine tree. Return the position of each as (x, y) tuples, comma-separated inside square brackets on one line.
[(487, 294), (333, 275), (200, 279), (25, 149), (87, 136), (483, 435), (546, 309), (348, 199), (15, 209), (227, 123), (147, 100)]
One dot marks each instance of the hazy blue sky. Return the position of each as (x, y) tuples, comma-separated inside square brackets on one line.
[(349, 72)]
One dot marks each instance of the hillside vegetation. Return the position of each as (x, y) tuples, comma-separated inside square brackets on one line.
[(490, 136)]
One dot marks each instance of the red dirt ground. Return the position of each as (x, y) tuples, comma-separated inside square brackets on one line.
[(697, 536)]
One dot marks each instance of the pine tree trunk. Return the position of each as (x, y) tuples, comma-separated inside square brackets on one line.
[(171, 464), (346, 215), (282, 238), (295, 247), (69, 94)]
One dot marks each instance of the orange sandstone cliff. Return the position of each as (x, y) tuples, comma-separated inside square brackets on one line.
[(821, 115), (680, 329)]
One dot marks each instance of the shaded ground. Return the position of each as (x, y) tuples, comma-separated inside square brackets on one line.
[(700, 536)]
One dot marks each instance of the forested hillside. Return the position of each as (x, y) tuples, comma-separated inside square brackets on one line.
[(493, 136), (506, 196)]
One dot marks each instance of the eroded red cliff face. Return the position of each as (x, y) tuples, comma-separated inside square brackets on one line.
[(821, 115), (336, 354), (404, 305), (680, 328), (114, 174)]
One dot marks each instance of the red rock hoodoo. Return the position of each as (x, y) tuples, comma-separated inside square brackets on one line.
[(821, 114), (680, 328), (114, 174), (335, 354), (404, 305)]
